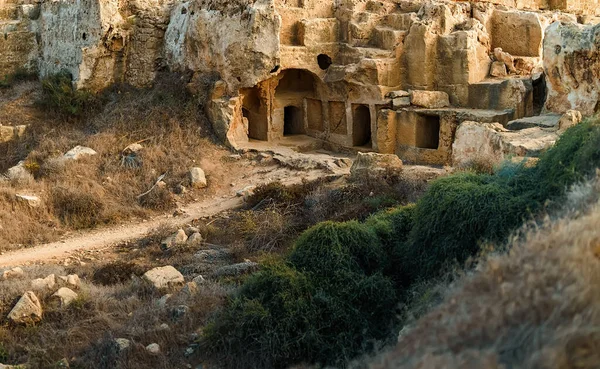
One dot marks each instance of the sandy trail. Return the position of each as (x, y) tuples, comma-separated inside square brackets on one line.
[(115, 235)]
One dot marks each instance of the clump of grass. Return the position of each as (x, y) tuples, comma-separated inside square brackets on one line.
[(117, 272), (60, 96), (77, 208)]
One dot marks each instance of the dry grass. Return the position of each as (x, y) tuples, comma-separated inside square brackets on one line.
[(104, 189), (536, 307)]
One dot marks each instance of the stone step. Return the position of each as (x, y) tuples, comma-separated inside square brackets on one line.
[(373, 52), (475, 115), (387, 38), (542, 121)]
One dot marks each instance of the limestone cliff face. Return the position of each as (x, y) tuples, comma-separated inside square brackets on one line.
[(572, 64), (239, 39)]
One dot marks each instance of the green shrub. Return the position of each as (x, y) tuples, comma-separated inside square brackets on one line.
[(328, 247), (60, 96), (455, 213), (393, 227), (295, 312)]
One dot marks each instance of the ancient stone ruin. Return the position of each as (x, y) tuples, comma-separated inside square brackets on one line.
[(390, 76)]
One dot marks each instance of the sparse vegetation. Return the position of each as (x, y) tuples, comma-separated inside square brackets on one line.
[(61, 97)]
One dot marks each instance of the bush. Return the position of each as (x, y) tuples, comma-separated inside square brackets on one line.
[(329, 247), (60, 96), (76, 208), (20, 75), (326, 304)]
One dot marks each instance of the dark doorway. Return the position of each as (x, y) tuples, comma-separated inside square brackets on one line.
[(324, 61), (539, 94), (293, 122), (361, 126), (428, 132), (254, 111)]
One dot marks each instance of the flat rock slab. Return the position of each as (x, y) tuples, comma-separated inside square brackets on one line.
[(543, 121)]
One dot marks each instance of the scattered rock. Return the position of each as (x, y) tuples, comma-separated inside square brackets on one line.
[(31, 201), (44, 284), (373, 162), (71, 281), (19, 173), (429, 99), (164, 327), (165, 277), (236, 269), (12, 274), (134, 148), (505, 58), (176, 239), (122, 344), (153, 348), (9, 133), (63, 297), (498, 69), (197, 178), (78, 152), (195, 239), (28, 310), (569, 119)]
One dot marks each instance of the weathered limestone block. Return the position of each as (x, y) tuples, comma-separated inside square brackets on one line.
[(370, 162), (429, 99), (572, 65), (313, 32), (165, 277), (498, 69), (28, 310), (491, 141), (518, 33), (63, 297)]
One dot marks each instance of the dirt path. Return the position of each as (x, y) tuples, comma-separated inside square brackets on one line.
[(109, 237)]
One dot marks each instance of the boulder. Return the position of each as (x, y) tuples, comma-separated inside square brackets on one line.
[(195, 239), (153, 348), (165, 277), (429, 99), (78, 152), (71, 281), (44, 284), (572, 64), (122, 344), (19, 173), (506, 59), (63, 297), (177, 238), (12, 274), (401, 102), (197, 178), (28, 310), (212, 255), (498, 69), (491, 141), (370, 162), (30, 200)]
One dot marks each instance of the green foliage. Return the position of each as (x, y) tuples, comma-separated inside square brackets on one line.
[(60, 96), (326, 304), (336, 292), (328, 247)]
